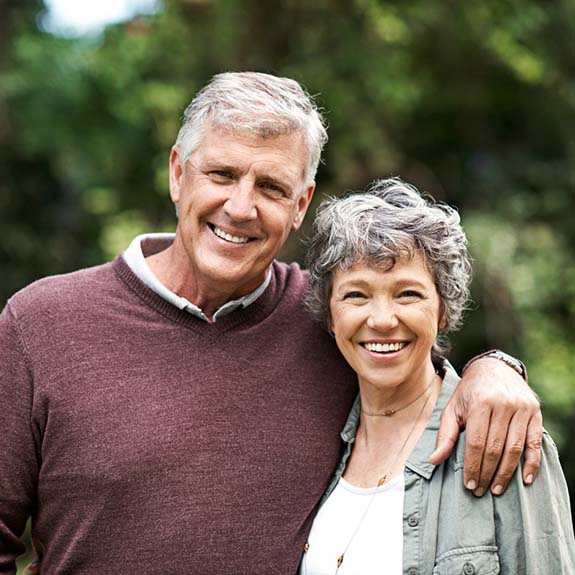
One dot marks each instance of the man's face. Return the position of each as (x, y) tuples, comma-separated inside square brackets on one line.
[(239, 196)]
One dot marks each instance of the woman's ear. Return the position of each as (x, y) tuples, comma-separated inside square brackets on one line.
[(442, 318), (330, 326)]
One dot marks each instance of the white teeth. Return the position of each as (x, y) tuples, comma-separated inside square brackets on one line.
[(229, 237), (384, 347)]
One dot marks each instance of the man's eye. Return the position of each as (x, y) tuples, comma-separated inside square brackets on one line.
[(273, 188), (221, 174)]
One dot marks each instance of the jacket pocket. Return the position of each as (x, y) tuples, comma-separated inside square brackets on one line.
[(482, 560)]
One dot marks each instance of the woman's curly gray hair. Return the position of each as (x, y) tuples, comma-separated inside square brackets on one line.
[(378, 227)]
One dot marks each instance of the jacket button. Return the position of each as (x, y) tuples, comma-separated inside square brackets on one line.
[(412, 571), (413, 520), (468, 569)]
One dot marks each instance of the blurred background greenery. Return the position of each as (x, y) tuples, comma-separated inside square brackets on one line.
[(472, 101)]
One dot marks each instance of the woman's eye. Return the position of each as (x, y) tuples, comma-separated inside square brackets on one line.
[(408, 293), (353, 295)]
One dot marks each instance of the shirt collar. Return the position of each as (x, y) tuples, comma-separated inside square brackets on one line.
[(418, 460), (136, 260)]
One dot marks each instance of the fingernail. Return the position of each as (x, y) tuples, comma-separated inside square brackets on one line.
[(529, 479), (497, 490), (479, 492), (471, 485)]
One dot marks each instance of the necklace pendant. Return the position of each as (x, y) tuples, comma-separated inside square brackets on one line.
[(382, 480), (306, 548), (388, 412), (339, 561)]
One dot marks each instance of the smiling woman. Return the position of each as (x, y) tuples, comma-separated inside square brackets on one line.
[(390, 272), (385, 324)]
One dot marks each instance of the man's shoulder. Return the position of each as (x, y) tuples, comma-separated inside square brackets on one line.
[(291, 285), (290, 288), (64, 289), (291, 274)]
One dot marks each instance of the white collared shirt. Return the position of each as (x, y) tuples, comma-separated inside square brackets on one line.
[(136, 260)]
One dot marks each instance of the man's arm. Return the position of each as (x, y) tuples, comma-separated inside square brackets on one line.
[(18, 459), (502, 418)]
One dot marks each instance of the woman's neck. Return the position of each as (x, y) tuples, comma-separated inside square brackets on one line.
[(383, 443), (377, 398)]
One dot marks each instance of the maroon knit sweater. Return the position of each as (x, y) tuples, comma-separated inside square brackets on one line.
[(144, 440)]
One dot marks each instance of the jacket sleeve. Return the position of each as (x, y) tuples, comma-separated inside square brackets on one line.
[(533, 523), (18, 452)]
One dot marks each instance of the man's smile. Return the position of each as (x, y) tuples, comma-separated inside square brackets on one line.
[(234, 239)]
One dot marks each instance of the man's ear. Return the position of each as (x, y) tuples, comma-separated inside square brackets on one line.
[(303, 203), (176, 174)]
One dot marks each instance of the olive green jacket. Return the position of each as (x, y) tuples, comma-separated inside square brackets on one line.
[(448, 531)]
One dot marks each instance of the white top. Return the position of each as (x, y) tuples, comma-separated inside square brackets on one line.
[(377, 547), (134, 257)]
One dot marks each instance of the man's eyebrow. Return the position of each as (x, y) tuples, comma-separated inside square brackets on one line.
[(278, 181), (210, 164)]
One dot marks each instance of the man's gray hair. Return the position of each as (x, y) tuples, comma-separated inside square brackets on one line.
[(389, 221), (259, 103)]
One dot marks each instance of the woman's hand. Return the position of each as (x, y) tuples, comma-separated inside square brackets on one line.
[(502, 418)]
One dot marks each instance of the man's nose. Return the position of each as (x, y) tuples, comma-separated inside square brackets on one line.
[(241, 204), (382, 316)]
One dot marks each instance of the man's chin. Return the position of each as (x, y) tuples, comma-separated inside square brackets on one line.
[(229, 274)]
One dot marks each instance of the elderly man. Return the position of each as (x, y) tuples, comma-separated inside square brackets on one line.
[(176, 410)]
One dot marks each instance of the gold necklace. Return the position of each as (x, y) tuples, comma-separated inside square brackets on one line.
[(389, 412), (381, 481)]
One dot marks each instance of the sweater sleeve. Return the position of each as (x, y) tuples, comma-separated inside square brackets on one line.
[(533, 523), (18, 455)]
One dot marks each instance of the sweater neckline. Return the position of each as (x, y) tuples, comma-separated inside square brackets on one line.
[(251, 314)]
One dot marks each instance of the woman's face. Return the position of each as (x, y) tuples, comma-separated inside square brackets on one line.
[(385, 322)]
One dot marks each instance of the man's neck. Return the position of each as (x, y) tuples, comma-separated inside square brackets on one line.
[(176, 274)]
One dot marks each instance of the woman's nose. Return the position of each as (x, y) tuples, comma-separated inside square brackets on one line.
[(382, 316)]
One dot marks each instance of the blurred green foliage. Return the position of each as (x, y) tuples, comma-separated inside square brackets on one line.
[(473, 102)]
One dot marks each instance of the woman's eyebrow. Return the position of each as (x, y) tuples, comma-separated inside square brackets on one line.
[(410, 282), (352, 283)]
